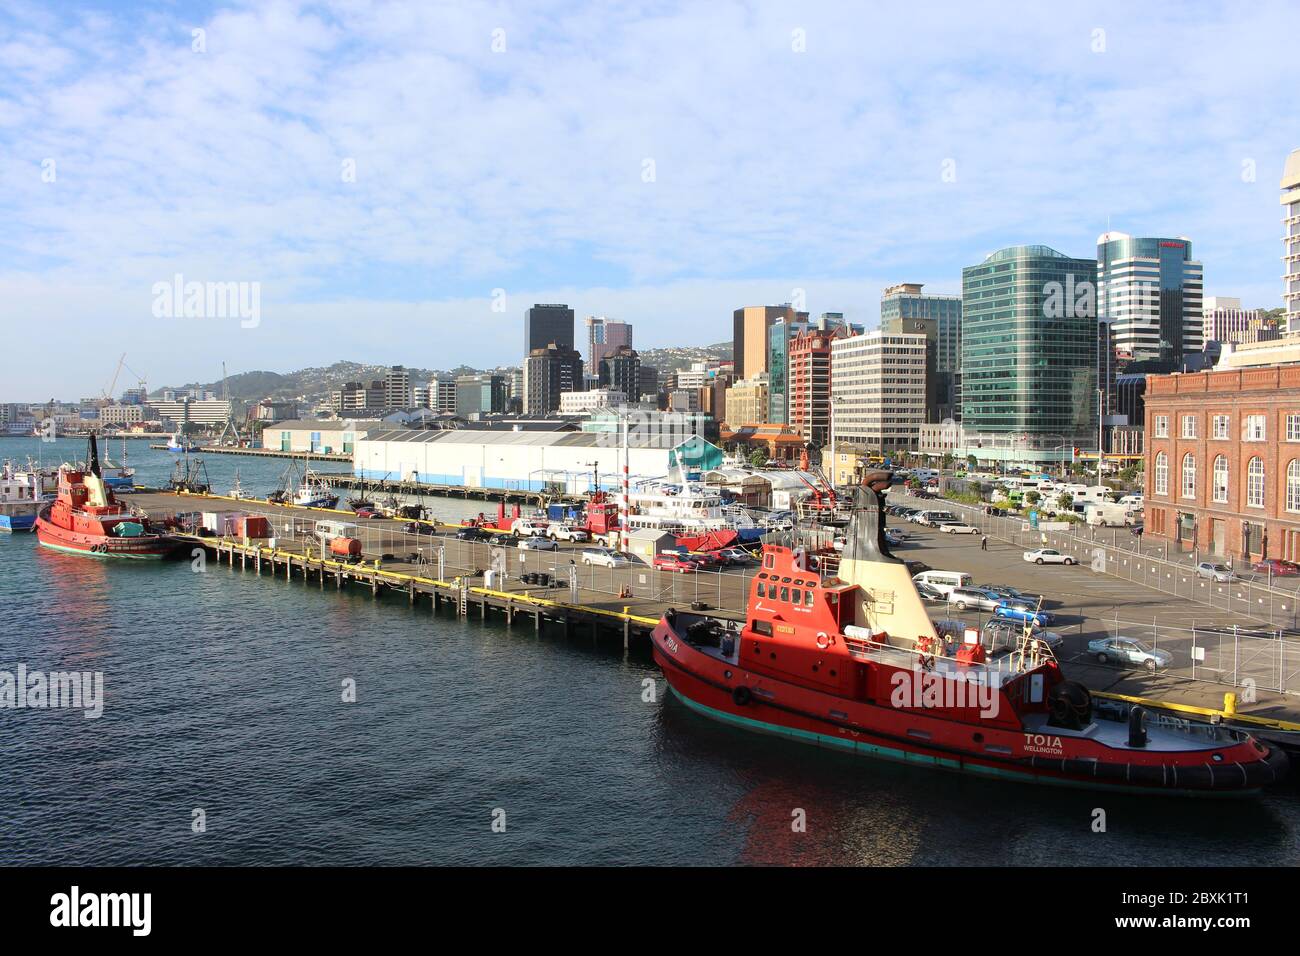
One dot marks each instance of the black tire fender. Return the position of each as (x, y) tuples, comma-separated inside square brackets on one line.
[(742, 695)]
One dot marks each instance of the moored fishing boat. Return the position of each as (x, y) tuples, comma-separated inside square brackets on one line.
[(22, 492), (845, 657), (87, 519)]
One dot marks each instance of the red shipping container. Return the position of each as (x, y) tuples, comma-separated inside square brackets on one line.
[(254, 526)]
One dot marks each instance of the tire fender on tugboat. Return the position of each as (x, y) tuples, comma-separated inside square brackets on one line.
[(742, 695)]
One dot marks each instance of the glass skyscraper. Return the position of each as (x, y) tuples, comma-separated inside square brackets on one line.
[(1029, 347), (1150, 291)]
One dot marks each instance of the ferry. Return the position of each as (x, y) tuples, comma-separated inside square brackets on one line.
[(22, 492), (839, 652), (87, 519)]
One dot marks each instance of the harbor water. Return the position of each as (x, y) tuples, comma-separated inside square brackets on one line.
[(224, 694)]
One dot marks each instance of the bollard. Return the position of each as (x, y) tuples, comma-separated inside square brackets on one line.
[(1229, 703)]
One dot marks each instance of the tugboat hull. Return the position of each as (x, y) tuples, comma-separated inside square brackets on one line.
[(727, 692), (142, 548)]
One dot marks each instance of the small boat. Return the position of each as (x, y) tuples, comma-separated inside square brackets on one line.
[(237, 491), (22, 493), (314, 492), (87, 519), (838, 651), (179, 444)]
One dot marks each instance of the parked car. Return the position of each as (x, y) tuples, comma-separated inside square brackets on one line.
[(415, 527), (1001, 633), (1276, 567), (473, 534), (704, 560), (673, 561), (1126, 650), (1136, 530), (1016, 612), (527, 527), (995, 512), (564, 532), (957, 527), (1047, 556), (538, 543), (1212, 571), (929, 592), (894, 537), (1015, 595), (962, 598), (604, 557), (737, 557)]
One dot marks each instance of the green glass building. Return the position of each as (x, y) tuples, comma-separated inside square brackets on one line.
[(1029, 349)]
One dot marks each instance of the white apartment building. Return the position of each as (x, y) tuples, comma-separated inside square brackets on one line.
[(579, 403), (200, 412), (397, 387), (878, 389)]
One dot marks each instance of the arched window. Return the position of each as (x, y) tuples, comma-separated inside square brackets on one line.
[(1162, 474), (1293, 485), (1221, 478), (1189, 476), (1255, 483)]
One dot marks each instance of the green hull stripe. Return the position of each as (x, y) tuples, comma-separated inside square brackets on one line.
[(944, 763), (99, 554)]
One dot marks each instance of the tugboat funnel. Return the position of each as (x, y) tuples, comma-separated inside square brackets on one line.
[(890, 603)]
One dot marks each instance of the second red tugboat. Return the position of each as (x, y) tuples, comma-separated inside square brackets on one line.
[(87, 519), (847, 658)]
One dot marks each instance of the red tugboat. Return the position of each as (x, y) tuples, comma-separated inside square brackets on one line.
[(87, 519), (850, 660)]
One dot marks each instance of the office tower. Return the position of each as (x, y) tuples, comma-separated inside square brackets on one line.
[(750, 339), (1151, 290), (1227, 321), (547, 324), (809, 356), (603, 336), (548, 373), (904, 308), (878, 390), (1291, 240), (1029, 347), (478, 395), (397, 387), (620, 370)]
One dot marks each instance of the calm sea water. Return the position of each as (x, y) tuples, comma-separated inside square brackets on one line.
[(223, 693)]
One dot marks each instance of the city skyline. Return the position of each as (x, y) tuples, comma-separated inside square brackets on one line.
[(379, 225)]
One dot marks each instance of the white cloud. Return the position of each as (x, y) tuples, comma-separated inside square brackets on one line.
[(524, 169)]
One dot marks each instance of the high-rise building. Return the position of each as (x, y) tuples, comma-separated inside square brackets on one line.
[(397, 387), (878, 390), (620, 370), (1291, 240), (1150, 289), (1029, 348), (547, 324), (905, 309), (1227, 321), (548, 373), (445, 398), (483, 394), (750, 338), (603, 336), (746, 401), (648, 383), (809, 357)]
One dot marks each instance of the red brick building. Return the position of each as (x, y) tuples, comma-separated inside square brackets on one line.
[(809, 389), (1223, 461)]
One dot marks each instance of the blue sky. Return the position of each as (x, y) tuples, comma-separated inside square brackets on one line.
[(795, 146)]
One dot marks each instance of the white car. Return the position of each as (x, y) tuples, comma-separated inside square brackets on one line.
[(604, 558), (563, 532), (538, 543), (1047, 556), (956, 527), (528, 528)]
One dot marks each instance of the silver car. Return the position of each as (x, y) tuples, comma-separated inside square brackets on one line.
[(1127, 650), (1212, 571)]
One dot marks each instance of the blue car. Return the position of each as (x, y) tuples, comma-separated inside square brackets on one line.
[(1010, 612)]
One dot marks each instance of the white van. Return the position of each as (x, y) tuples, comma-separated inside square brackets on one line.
[(944, 581), (931, 519), (326, 531)]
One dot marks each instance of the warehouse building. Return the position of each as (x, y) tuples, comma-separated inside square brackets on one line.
[(555, 462)]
